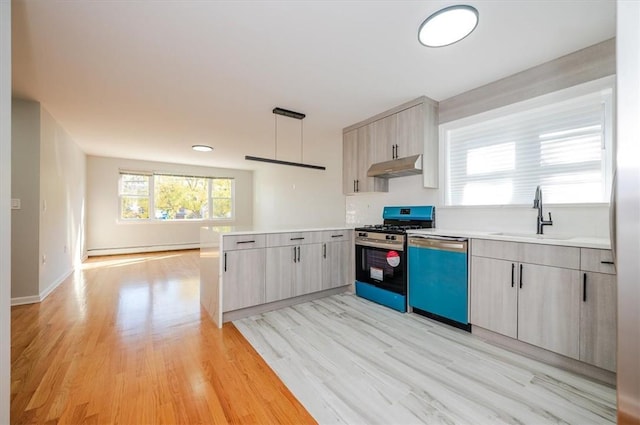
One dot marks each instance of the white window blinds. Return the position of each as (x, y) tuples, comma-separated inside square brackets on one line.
[(563, 146)]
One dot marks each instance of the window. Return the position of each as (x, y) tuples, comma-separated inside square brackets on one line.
[(175, 197), (561, 142), (134, 196)]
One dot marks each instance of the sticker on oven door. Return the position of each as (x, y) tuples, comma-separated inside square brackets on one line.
[(376, 273), (393, 258)]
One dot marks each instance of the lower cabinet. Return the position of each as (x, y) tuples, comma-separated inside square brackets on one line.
[(562, 299), (598, 309), (494, 295), (549, 308), (244, 278), (336, 263), (539, 305), (292, 271)]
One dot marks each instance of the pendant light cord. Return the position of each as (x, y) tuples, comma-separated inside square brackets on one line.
[(275, 155), (301, 142)]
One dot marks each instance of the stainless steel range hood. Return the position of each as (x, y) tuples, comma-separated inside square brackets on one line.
[(400, 167)]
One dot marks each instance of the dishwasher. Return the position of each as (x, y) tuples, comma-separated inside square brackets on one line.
[(438, 279)]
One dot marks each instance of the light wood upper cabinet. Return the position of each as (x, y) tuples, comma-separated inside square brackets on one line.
[(358, 154), (350, 161), (409, 129), (410, 134), (384, 136)]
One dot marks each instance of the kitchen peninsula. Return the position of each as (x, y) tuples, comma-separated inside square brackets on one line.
[(246, 271)]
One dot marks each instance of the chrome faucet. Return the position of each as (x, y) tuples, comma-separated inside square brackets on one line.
[(540, 222)]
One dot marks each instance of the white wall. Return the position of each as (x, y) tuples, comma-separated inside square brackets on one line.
[(48, 170), (5, 218), (106, 234), (286, 196), (588, 220), (296, 197), (628, 212), (62, 189), (25, 185)]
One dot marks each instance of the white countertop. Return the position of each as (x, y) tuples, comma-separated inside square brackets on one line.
[(576, 241), (255, 230)]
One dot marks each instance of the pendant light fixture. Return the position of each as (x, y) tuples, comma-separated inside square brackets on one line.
[(448, 26), (290, 114)]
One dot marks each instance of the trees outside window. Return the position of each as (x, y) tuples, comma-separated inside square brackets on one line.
[(174, 197)]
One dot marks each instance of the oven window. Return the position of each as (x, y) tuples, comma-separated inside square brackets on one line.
[(384, 268)]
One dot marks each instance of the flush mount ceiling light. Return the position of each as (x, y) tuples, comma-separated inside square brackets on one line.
[(290, 114), (202, 148), (448, 26)]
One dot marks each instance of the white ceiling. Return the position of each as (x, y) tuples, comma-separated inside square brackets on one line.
[(147, 79)]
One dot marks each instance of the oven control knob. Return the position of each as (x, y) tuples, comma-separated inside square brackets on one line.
[(391, 237), (362, 235)]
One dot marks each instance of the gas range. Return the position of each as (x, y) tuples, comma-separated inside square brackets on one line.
[(381, 253), (397, 220)]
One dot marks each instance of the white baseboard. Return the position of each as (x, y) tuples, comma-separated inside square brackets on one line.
[(44, 294), (141, 249), (25, 300)]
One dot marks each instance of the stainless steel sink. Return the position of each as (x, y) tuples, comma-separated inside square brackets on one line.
[(532, 236)]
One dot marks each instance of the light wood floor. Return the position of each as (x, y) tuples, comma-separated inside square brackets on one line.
[(124, 341), (352, 361)]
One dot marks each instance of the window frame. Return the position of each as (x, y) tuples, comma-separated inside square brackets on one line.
[(599, 85), (152, 201)]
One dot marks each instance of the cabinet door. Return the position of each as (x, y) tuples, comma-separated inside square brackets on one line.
[(308, 269), (366, 157), (598, 314), (410, 131), (383, 137), (549, 308), (243, 279), (336, 264), (349, 161), (494, 295), (280, 273), (430, 145)]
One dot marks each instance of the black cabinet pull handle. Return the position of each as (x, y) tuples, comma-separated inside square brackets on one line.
[(225, 261), (298, 254), (513, 274), (324, 250), (606, 262), (241, 242), (584, 287), (396, 151), (297, 239), (354, 185), (521, 275), (337, 236), (295, 260)]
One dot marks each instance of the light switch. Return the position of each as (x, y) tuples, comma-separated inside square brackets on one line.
[(15, 204)]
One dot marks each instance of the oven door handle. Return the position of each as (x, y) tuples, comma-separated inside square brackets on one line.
[(381, 245)]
